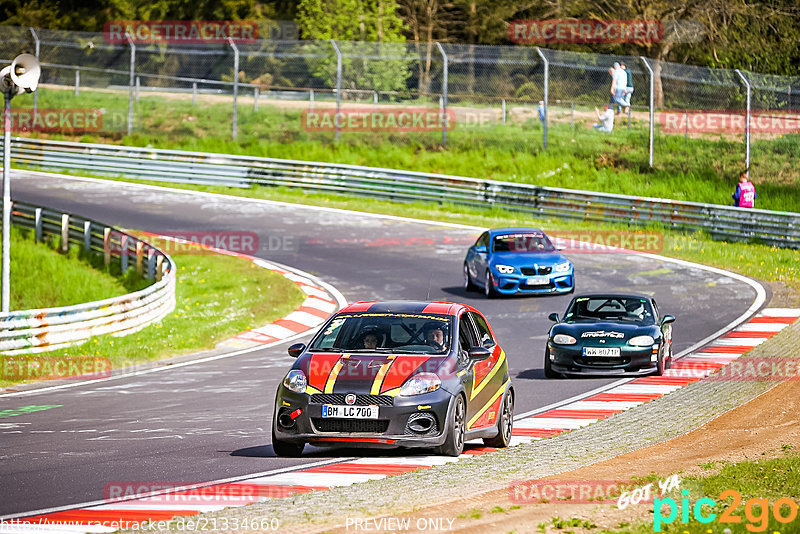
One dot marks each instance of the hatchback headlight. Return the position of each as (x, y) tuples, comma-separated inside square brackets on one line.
[(563, 267), (564, 339), (505, 269), (296, 381), (641, 341), (421, 383)]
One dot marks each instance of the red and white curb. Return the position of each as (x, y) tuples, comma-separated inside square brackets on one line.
[(170, 504), (320, 302)]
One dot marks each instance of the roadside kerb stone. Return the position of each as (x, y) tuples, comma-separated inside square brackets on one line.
[(664, 418)]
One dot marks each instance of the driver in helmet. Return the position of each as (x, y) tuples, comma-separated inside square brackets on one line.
[(436, 335)]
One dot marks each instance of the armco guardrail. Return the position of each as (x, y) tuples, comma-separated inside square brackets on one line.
[(30, 331), (776, 228)]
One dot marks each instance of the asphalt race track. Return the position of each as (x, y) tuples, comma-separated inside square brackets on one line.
[(212, 420)]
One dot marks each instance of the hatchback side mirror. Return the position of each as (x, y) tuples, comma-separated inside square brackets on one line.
[(296, 349), (480, 249), (553, 317), (478, 354), (668, 319)]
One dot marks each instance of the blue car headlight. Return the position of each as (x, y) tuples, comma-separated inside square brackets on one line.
[(504, 269), (563, 267)]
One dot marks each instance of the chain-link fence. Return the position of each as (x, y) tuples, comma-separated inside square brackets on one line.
[(427, 94)]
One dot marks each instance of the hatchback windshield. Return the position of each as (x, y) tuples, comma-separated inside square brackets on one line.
[(534, 242), (593, 309), (385, 332)]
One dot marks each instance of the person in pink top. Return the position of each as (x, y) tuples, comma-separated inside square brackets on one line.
[(745, 194)]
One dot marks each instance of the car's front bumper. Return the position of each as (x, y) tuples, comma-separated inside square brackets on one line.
[(633, 361), (393, 428), (509, 284)]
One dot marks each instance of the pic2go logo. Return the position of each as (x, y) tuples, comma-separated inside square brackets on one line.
[(756, 511)]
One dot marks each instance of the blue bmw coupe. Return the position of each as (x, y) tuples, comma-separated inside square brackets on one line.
[(505, 261)]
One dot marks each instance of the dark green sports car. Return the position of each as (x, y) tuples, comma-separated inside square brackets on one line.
[(609, 335)]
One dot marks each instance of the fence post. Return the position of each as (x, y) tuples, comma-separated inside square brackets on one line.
[(746, 125), (375, 101), (65, 232), (159, 267), (235, 83), (123, 258), (151, 263), (194, 94), (130, 82), (139, 256), (650, 71), (137, 88), (572, 115), (77, 81), (504, 111), (37, 224), (546, 88), (255, 99), (87, 236), (106, 245), (338, 87), (36, 92), (445, 70), (311, 100)]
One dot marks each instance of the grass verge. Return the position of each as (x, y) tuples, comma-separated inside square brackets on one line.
[(43, 277), (698, 169), (216, 297)]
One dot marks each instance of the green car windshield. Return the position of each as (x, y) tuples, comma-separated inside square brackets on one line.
[(385, 332), (623, 309)]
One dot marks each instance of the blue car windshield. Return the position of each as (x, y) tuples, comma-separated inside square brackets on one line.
[(615, 309), (533, 242)]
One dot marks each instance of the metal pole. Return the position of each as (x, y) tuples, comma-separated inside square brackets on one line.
[(747, 125), (686, 123), (647, 66), (194, 94), (137, 89), (572, 115), (504, 111), (6, 266), (375, 101), (338, 119), (311, 100), (255, 99), (445, 70), (130, 82), (35, 93), (77, 81), (546, 89), (235, 83)]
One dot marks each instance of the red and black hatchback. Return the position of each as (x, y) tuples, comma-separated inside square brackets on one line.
[(396, 374)]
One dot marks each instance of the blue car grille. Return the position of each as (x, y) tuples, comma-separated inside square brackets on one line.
[(531, 271)]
